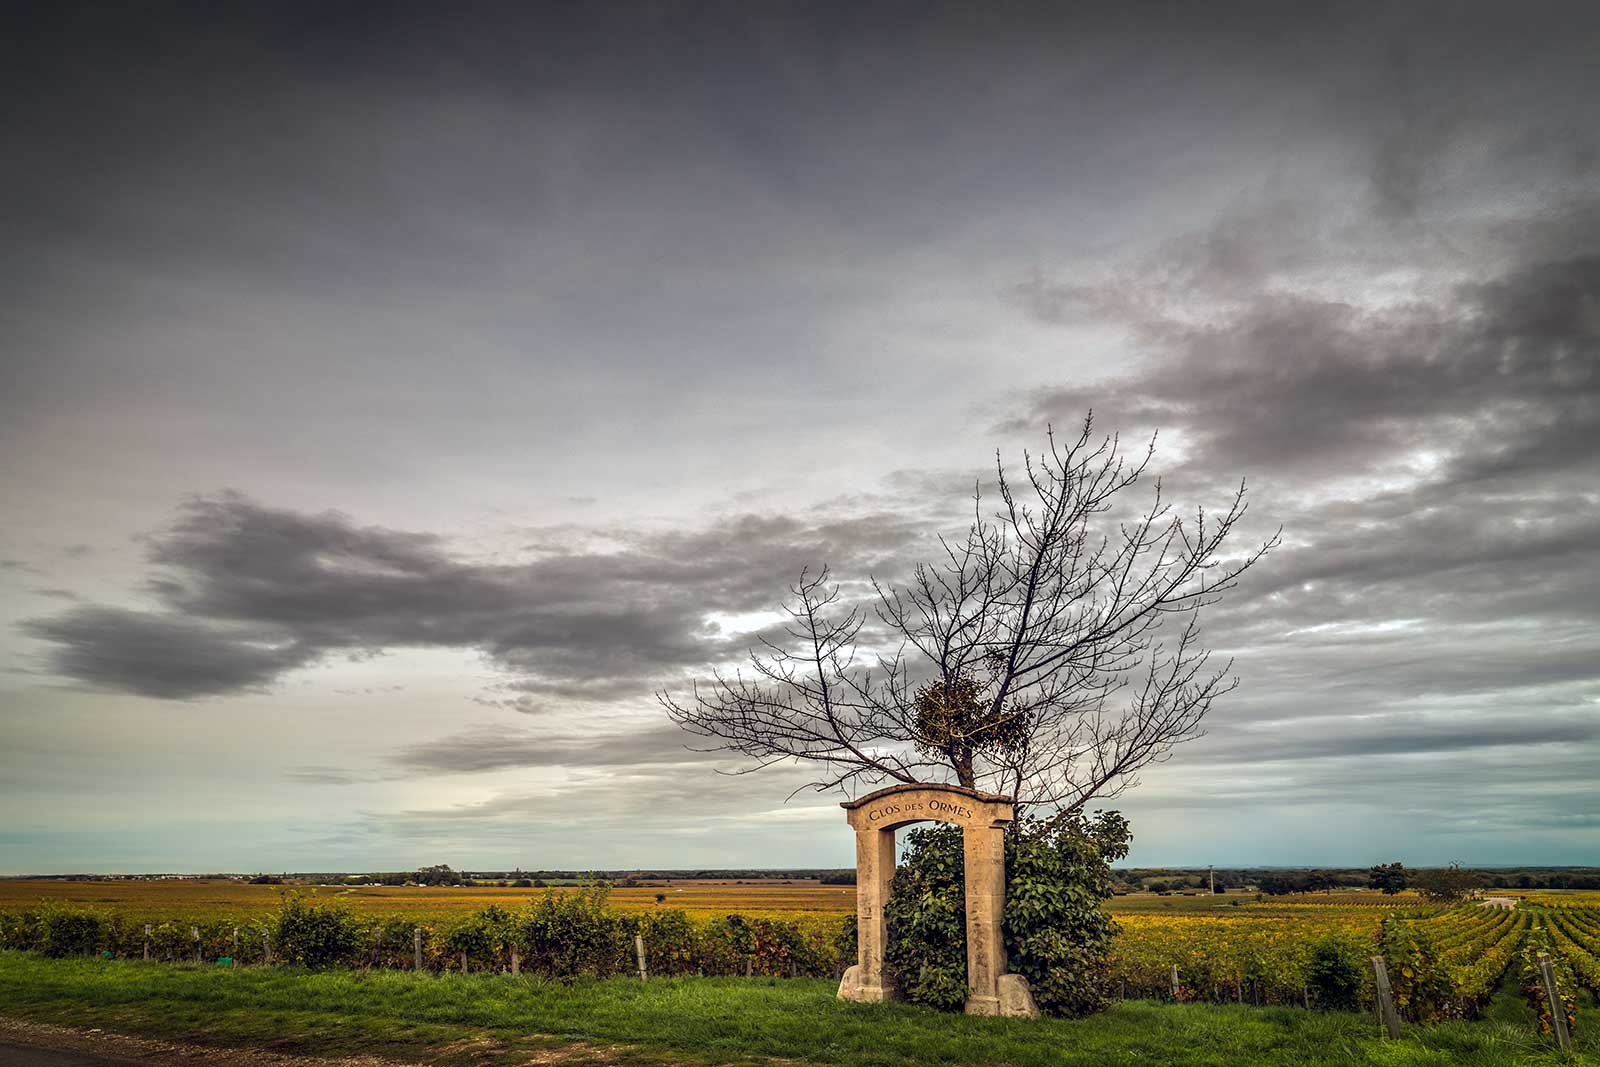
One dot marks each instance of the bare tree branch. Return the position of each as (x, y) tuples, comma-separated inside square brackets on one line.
[(1030, 656)]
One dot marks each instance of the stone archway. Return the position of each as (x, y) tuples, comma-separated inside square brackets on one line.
[(983, 818)]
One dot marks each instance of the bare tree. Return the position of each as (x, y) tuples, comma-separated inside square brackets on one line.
[(1050, 654)]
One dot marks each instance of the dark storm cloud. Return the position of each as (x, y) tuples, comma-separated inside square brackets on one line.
[(250, 592), (166, 656), (1424, 404), (1504, 376)]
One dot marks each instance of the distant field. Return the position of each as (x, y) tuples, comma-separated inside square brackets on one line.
[(180, 898), (200, 898)]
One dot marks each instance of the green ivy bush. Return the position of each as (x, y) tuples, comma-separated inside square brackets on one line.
[(926, 954), (1058, 936)]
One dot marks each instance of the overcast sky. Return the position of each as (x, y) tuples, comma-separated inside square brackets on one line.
[(393, 398)]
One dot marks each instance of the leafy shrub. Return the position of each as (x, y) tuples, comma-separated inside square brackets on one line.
[(67, 932), (926, 955), (314, 934), (1422, 988), (1058, 873), (846, 948), (669, 942), (573, 933), (1531, 983), (486, 937), (1335, 970)]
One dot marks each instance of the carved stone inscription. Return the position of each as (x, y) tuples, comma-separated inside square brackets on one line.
[(916, 809)]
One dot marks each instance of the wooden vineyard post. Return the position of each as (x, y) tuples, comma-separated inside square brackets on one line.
[(1174, 981), (235, 962), (266, 948), (638, 954), (416, 946), (1558, 1009), (749, 966), (1386, 1012), (516, 962), (147, 942), (194, 935), (463, 961)]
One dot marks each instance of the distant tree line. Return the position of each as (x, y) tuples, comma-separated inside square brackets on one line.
[(442, 874)]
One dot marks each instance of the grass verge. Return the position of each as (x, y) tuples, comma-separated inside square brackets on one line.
[(710, 1021)]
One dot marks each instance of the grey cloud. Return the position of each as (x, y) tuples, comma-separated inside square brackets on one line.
[(1397, 735), (250, 592), (492, 748), (324, 776), (1504, 375), (654, 795), (164, 656)]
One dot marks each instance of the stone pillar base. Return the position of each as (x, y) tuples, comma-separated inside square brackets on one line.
[(850, 988), (983, 1005), (1016, 999)]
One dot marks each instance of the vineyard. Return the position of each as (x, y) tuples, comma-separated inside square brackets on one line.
[(1443, 963)]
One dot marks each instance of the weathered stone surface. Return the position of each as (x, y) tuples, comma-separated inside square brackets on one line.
[(900, 805), (1016, 999), (983, 818), (985, 863), (851, 987), (874, 870)]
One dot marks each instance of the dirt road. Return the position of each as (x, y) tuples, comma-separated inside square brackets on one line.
[(25, 1044), (30, 1056)]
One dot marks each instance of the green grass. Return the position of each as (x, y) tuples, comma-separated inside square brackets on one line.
[(716, 1021)]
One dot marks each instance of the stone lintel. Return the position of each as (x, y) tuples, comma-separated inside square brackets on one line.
[(900, 805)]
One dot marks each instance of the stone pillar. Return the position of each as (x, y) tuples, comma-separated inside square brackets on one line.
[(874, 870), (985, 855)]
